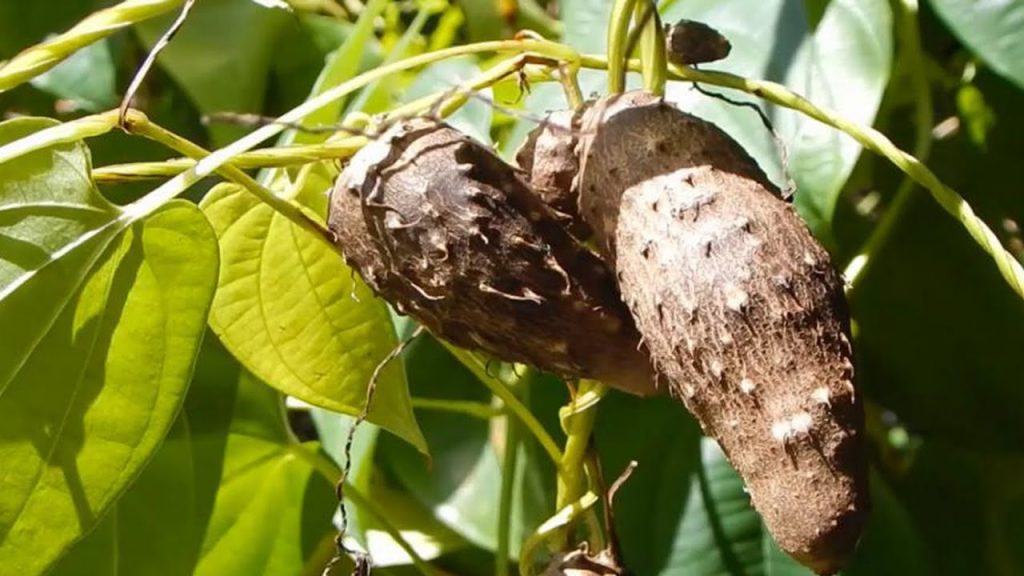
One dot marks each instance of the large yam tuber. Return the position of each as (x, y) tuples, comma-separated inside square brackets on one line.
[(745, 317), (741, 310), (438, 225)]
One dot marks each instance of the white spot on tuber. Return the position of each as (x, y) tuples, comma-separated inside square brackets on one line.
[(809, 259), (781, 430), (800, 423), (822, 396), (716, 369), (735, 298), (747, 386)]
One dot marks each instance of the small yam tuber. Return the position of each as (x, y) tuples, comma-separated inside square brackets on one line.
[(447, 232)]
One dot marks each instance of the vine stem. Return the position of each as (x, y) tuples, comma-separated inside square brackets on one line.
[(263, 158), (563, 518), (924, 118), (577, 420), (653, 57), (39, 58), (618, 34), (136, 122)]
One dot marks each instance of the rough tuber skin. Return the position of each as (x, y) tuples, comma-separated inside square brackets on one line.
[(631, 137), (549, 158), (439, 226), (745, 317), (741, 309)]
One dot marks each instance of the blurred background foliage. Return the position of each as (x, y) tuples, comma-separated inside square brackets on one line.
[(938, 333)]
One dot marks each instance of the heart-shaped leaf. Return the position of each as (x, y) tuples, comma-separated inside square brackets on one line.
[(110, 317), (842, 64), (294, 314), (220, 488), (273, 510)]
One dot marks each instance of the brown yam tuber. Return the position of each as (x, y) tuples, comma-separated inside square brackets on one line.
[(438, 225), (741, 309)]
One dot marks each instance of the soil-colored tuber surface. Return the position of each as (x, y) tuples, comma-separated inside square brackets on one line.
[(549, 157), (631, 137), (439, 226), (742, 312)]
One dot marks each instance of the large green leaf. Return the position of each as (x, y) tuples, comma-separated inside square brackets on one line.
[(967, 505), (108, 320), (53, 226), (178, 486), (843, 64), (273, 509), (127, 541), (230, 443), (993, 30), (94, 397), (221, 57), (291, 310)]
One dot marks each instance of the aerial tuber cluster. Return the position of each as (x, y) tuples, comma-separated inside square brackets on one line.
[(706, 281)]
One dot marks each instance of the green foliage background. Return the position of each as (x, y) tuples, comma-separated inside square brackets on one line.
[(144, 363)]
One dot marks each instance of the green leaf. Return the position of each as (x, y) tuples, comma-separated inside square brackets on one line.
[(128, 541), (461, 483), (54, 225), (179, 485), (967, 506), (993, 30), (229, 423), (221, 57), (293, 313), (87, 78), (273, 508), (93, 398), (844, 66)]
